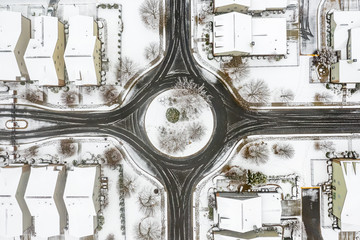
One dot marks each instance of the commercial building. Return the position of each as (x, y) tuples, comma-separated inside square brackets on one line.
[(239, 215), (44, 56), (44, 198), (15, 217), (346, 193), (14, 38), (83, 51), (81, 198), (345, 38), (239, 34), (249, 5)]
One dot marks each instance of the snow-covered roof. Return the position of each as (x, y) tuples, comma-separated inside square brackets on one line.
[(42, 197), (10, 31), (11, 215), (341, 22), (349, 71), (240, 34), (271, 208), (269, 36), (262, 5), (39, 55), (79, 196), (79, 53), (350, 220), (252, 5), (238, 212), (262, 235), (232, 33)]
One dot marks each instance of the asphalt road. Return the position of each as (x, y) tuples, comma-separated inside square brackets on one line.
[(180, 176)]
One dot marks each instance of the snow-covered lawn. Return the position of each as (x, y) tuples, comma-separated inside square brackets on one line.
[(286, 81), (307, 160), (190, 132)]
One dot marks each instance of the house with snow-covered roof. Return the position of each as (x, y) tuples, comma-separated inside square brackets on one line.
[(248, 5), (44, 56), (14, 38), (346, 193), (242, 213), (81, 197), (15, 217), (83, 51), (44, 198), (238, 34), (345, 38)]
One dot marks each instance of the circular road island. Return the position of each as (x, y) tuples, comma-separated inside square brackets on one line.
[(179, 122)]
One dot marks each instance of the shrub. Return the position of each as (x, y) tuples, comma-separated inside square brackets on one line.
[(172, 115)]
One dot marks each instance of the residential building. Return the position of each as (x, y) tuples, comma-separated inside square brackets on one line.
[(249, 5), (83, 51), (14, 38), (246, 212), (44, 198), (240, 34), (346, 193), (81, 196), (44, 56), (261, 235), (345, 39), (15, 217)]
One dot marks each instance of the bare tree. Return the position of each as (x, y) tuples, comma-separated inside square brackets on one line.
[(325, 56), (148, 229), (67, 147), (283, 150), (33, 96), (326, 146), (286, 95), (32, 151), (150, 13), (149, 202), (128, 185), (128, 69), (172, 141), (322, 97), (110, 94), (235, 173), (196, 131), (113, 157), (237, 68), (69, 98), (256, 91), (110, 237), (191, 88), (151, 51), (257, 152)]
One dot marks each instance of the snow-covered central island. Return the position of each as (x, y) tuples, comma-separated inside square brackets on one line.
[(179, 122)]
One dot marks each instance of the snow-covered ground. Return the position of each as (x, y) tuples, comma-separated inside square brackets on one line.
[(308, 162), (90, 150), (284, 76), (123, 34), (160, 130)]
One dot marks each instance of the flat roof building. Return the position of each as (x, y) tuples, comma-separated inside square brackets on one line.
[(346, 193), (14, 38), (240, 34), (44, 198), (249, 5), (15, 217), (82, 53), (44, 56), (81, 198)]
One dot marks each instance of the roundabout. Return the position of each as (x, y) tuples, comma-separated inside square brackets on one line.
[(179, 122)]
